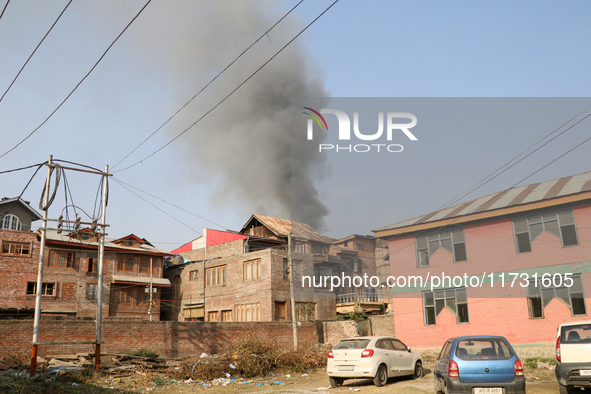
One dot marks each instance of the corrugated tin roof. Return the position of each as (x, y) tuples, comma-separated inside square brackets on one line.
[(140, 279), (521, 195), (282, 227), (52, 235)]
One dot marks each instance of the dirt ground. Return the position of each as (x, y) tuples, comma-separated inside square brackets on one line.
[(539, 381)]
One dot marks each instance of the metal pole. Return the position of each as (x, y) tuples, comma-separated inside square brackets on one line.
[(99, 301), (150, 312), (291, 290), (40, 273)]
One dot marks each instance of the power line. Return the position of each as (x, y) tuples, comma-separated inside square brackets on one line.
[(79, 83), (161, 210), (37, 47), (488, 178), (209, 83), (234, 90), (23, 192), (169, 203), (22, 168), (4, 9)]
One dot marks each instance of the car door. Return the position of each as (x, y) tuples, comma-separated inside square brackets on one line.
[(405, 358), (442, 362), (386, 354)]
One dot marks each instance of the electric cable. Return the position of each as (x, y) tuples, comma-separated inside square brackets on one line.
[(22, 168), (161, 210), (35, 50), (233, 91), (171, 204), (45, 191), (209, 83), (79, 83), (4, 9), (484, 181), (23, 192)]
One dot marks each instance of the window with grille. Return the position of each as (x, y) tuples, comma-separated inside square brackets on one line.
[(559, 223), (144, 266), (126, 264), (226, 315), (61, 259), (455, 300), (450, 240), (305, 311)]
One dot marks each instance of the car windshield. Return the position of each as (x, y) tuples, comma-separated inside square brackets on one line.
[(484, 349), (352, 344), (580, 333)]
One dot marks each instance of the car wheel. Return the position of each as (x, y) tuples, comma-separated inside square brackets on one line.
[(336, 382), (418, 371), (566, 389), (381, 376)]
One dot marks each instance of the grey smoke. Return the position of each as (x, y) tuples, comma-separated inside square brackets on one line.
[(248, 146)]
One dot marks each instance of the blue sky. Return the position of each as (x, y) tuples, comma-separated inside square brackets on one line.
[(357, 49)]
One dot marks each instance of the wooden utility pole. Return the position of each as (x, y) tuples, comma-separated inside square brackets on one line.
[(291, 289)]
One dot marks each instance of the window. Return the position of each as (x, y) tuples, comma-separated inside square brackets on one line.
[(143, 296), (216, 276), (285, 269), (300, 247), (193, 313), (450, 240), (226, 315), (176, 287), (122, 297), (455, 300), (346, 244), (252, 270), (91, 291), (126, 264), (539, 296), (61, 259), (559, 223), (248, 312), (145, 265), (297, 269), (16, 248), (92, 263), (360, 247), (47, 289), (305, 311), (10, 222), (280, 310), (318, 250), (213, 316), (130, 242), (193, 275)]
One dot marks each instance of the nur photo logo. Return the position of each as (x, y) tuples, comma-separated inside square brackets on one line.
[(393, 124)]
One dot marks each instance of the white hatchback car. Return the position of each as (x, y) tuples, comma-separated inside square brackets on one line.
[(372, 357)]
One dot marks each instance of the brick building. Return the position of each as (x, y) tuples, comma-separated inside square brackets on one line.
[(70, 273), (522, 233), (243, 276)]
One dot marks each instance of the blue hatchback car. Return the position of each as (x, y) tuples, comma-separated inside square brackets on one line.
[(478, 365)]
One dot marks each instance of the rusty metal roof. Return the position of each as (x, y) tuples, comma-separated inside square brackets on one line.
[(282, 227), (522, 195)]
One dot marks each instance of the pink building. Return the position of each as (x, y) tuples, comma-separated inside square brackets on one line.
[(539, 235)]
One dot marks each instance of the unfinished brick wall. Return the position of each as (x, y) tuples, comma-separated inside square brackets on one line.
[(169, 339)]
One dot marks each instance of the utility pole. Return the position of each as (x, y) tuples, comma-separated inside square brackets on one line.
[(33, 370), (291, 289), (99, 301), (150, 308)]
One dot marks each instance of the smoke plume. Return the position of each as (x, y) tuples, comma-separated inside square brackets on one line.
[(251, 147)]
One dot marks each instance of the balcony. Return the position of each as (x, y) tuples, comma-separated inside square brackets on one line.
[(361, 302)]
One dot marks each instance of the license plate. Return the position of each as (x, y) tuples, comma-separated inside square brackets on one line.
[(585, 372), (487, 390), (345, 368)]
